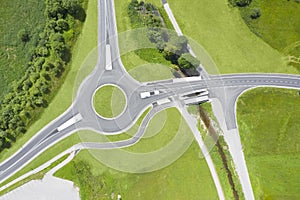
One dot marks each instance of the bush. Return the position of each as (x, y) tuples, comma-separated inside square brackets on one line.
[(23, 35), (188, 64), (255, 13), (240, 3)]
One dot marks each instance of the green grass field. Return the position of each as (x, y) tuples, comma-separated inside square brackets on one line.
[(269, 127), (189, 167), (278, 25), (86, 42), (225, 36), (14, 54), (166, 183), (109, 101)]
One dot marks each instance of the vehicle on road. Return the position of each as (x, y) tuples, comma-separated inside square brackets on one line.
[(144, 95)]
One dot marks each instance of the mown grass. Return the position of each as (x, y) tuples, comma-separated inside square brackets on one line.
[(223, 33), (279, 25), (187, 178), (269, 127), (14, 54), (189, 167), (86, 42), (109, 101)]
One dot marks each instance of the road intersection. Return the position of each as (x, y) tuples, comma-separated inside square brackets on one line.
[(225, 88)]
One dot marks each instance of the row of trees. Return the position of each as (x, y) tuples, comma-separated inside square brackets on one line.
[(31, 93), (173, 47)]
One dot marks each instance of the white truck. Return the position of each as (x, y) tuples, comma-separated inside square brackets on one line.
[(108, 65), (144, 95), (70, 122)]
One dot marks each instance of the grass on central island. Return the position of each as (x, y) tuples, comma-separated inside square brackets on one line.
[(269, 127), (109, 101)]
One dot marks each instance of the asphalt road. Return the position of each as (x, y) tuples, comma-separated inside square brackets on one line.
[(217, 85)]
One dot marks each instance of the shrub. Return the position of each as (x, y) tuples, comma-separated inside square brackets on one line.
[(23, 35), (240, 3), (188, 64), (255, 13)]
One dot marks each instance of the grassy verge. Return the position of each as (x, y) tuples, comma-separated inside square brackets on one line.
[(223, 33), (15, 54), (269, 127), (278, 25), (36, 176), (168, 181), (109, 101), (87, 41), (219, 152)]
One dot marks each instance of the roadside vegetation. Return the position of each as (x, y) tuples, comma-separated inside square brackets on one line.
[(218, 149), (44, 72), (278, 24), (269, 127), (221, 30), (168, 43)]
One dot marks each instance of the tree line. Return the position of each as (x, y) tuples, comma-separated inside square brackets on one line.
[(29, 95), (173, 47)]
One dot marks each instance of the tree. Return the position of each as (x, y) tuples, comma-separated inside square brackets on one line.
[(188, 64), (42, 51), (242, 3), (187, 61), (74, 8), (255, 13), (62, 25), (55, 9), (23, 35), (173, 49), (170, 52)]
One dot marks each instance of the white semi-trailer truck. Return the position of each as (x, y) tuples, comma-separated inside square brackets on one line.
[(108, 65), (70, 122)]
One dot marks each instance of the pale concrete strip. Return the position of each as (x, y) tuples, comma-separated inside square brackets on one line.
[(44, 166), (46, 189), (192, 122), (49, 187)]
